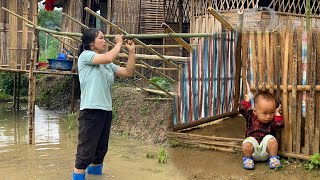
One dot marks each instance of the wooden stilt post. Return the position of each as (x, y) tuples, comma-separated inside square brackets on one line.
[(18, 91), (15, 91), (31, 89)]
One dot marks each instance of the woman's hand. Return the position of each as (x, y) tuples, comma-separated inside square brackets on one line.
[(130, 45), (118, 39)]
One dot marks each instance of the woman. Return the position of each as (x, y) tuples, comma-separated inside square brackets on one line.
[(96, 75)]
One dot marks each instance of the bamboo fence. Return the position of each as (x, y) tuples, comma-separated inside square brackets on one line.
[(206, 86), (287, 65)]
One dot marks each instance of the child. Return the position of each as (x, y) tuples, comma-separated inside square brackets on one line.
[(261, 122)]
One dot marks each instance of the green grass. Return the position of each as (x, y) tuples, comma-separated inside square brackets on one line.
[(162, 156)]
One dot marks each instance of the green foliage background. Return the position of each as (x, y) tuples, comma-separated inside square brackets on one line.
[(49, 46)]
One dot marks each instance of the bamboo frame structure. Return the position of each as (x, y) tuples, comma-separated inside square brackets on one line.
[(145, 64)]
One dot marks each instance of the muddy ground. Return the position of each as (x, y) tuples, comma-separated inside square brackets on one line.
[(148, 120)]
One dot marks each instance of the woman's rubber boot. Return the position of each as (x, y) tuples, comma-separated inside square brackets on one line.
[(96, 170), (76, 176)]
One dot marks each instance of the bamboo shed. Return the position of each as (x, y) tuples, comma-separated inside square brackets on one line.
[(277, 54)]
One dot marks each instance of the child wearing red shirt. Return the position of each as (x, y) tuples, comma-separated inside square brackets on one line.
[(261, 123)]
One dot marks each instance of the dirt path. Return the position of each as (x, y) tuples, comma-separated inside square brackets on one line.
[(211, 165)]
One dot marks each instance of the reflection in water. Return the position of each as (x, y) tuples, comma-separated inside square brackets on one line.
[(52, 155), (14, 126)]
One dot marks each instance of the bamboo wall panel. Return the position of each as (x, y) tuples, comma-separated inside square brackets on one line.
[(206, 87), (4, 34), (298, 65), (290, 6), (152, 16), (16, 38), (126, 14), (172, 11)]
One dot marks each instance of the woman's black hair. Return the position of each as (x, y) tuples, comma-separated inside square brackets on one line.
[(88, 36)]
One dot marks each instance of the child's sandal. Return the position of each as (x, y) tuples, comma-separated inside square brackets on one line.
[(248, 163), (274, 162)]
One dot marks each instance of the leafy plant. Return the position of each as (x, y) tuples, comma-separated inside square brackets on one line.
[(162, 156), (162, 82), (4, 96), (314, 162), (7, 83)]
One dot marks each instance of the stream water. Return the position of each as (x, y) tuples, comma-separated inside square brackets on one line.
[(51, 156)]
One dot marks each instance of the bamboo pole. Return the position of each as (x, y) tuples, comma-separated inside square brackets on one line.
[(295, 156), (260, 60), (238, 60), (271, 62), (285, 94), (220, 18), (39, 72), (196, 136), (290, 113), (253, 59), (313, 66), (153, 67), (290, 87), (204, 120), (317, 125), (299, 94), (24, 36), (245, 62), (167, 29), (308, 8), (31, 90), (160, 99), (294, 91)]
